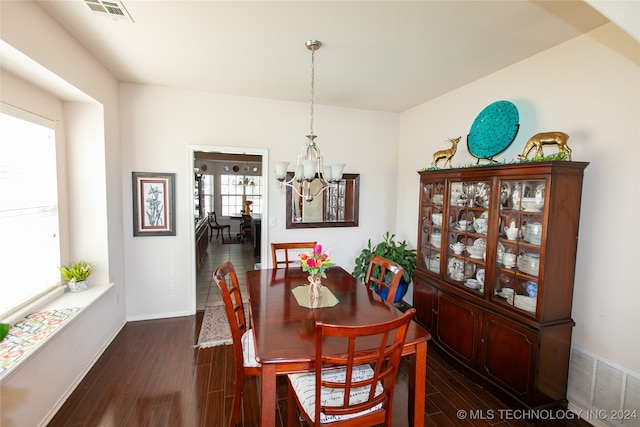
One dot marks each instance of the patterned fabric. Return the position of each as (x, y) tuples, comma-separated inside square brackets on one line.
[(27, 334), (304, 386), (249, 349)]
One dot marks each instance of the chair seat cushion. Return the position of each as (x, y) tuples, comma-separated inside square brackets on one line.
[(249, 349), (304, 385)]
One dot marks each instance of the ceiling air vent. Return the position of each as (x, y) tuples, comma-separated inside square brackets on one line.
[(113, 9)]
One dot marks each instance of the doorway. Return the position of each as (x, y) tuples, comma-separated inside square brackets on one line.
[(223, 178)]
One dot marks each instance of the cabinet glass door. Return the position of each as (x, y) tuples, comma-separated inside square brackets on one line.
[(467, 224), (431, 227), (521, 233)]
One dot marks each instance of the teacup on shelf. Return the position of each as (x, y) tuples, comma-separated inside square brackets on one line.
[(480, 225), (464, 224), (511, 232), (457, 248), (509, 259)]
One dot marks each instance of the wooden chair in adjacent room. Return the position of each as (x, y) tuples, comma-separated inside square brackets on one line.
[(246, 228), (213, 225), (285, 255), (325, 396), (243, 341), (383, 276)]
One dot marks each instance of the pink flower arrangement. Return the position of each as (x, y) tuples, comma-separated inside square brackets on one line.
[(316, 262)]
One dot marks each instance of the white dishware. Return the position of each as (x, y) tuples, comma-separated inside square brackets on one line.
[(499, 256), (480, 276), (437, 199), (509, 260), (436, 239), (464, 224), (480, 243), (436, 218), (532, 233), (507, 293), (512, 233), (480, 225), (529, 263), (525, 303), (457, 247), (476, 251), (434, 264), (472, 283), (532, 204)]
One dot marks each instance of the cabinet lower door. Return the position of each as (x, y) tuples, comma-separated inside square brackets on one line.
[(425, 301), (509, 355), (457, 328)]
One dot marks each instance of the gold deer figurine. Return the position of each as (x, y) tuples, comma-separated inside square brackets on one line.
[(446, 154), (547, 138)]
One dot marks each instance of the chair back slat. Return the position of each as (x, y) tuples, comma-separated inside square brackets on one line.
[(285, 255), (384, 274), (234, 307), (384, 358)]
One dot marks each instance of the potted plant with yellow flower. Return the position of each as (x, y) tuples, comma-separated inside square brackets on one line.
[(76, 275)]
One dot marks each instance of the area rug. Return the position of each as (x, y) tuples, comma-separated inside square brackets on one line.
[(215, 326)]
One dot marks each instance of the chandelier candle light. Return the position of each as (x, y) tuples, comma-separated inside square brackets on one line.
[(309, 165)]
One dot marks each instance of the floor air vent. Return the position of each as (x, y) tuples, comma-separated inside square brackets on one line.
[(600, 387), (112, 9)]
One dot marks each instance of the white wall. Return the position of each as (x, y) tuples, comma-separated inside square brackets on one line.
[(158, 126), (60, 80), (588, 87)]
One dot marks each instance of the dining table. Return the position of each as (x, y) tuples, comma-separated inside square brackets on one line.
[(284, 329)]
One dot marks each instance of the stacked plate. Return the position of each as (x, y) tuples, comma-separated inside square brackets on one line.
[(529, 263), (436, 240), (434, 264), (525, 303)]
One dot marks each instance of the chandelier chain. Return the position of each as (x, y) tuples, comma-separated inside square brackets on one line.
[(309, 166), (313, 56)]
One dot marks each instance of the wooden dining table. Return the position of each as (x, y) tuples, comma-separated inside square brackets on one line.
[(284, 330)]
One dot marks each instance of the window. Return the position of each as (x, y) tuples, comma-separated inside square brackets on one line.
[(29, 246), (235, 189), (207, 182)]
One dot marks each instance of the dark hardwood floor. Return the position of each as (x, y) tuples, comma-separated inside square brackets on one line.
[(151, 375)]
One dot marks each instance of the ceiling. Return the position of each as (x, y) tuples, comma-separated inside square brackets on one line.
[(375, 55)]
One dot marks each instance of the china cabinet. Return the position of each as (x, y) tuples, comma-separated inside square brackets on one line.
[(494, 280), (198, 197)]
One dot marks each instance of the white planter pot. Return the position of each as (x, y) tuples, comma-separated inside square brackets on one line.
[(78, 286)]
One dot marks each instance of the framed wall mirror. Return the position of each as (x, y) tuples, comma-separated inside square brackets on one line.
[(336, 206)]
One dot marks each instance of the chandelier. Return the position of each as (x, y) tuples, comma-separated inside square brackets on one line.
[(309, 166)]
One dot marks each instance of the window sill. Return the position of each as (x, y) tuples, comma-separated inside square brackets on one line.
[(18, 348)]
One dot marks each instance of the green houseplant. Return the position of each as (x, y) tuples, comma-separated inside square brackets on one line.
[(76, 274), (4, 330), (391, 250)]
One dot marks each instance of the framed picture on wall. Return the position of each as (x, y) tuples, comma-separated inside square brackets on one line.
[(154, 204)]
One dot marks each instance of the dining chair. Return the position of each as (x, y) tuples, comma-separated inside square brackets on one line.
[(242, 337), (213, 225), (246, 227), (285, 255), (351, 387), (383, 276)]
